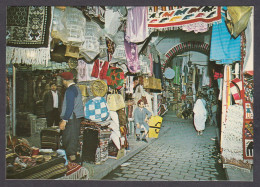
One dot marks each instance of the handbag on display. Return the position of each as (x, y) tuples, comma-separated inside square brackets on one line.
[(96, 109), (115, 102), (237, 19)]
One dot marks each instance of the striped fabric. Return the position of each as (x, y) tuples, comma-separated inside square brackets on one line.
[(224, 49)]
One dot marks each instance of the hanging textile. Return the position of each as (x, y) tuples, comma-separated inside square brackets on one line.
[(131, 52), (225, 98), (205, 76), (100, 69), (136, 26), (249, 56), (196, 18), (110, 48), (112, 21), (119, 55), (90, 47), (157, 69), (28, 26), (176, 79), (84, 71), (232, 130), (224, 49)]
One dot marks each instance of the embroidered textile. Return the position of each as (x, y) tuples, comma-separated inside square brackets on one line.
[(195, 18), (28, 26)]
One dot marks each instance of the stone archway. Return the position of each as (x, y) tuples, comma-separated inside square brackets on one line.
[(186, 46)]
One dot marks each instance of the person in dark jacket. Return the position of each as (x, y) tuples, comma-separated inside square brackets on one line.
[(71, 115), (52, 105)]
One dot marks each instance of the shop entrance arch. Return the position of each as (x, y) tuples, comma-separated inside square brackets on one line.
[(184, 47)]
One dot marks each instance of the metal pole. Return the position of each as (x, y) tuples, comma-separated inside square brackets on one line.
[(14, 101)]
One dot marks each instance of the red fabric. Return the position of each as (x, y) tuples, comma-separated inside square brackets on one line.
[(96, 72), (218, 75), (67, 75)]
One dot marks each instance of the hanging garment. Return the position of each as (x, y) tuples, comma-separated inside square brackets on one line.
[(100, 69), (112, 21), (136, 26), (224, 49), (176, 79), (130, 84), (131, 52), (200, 115), (84, 71), (157, 70), (249, 58), (205, 76)]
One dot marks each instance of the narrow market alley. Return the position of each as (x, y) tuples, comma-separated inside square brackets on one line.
[(180, 154)]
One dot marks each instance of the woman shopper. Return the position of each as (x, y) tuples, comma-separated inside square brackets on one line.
[(200, 114), (141, 117)]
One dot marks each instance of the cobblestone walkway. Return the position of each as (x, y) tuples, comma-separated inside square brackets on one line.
[(178, 155)]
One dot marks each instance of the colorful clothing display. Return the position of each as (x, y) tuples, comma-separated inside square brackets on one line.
[(224, 49)]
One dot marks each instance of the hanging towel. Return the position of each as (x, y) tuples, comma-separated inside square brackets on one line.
[(224, 49)]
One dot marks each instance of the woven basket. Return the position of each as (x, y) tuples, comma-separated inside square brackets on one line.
[(99, 88)]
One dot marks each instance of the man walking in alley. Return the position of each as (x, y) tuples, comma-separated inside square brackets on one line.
[(72, 112), (52, 105)]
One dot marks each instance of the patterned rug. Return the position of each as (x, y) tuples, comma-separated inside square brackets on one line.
[(170, 17), (28, 26)]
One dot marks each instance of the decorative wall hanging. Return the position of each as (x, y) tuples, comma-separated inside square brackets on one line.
[(197, 18), (28, 26)]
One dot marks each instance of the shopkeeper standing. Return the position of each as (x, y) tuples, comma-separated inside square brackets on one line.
[(52, 105), (71, 115)]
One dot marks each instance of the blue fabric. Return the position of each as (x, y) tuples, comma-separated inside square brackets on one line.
[(224, 49)]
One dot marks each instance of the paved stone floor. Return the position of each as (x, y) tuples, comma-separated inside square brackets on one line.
[(178, 155)]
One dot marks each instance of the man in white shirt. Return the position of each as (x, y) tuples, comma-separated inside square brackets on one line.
[(52, 106)]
